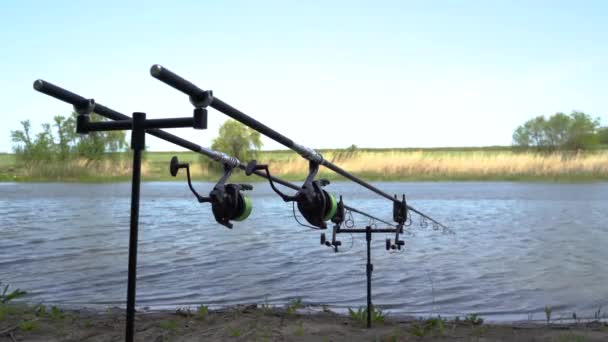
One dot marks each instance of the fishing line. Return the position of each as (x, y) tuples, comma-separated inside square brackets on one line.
[(293, 207)]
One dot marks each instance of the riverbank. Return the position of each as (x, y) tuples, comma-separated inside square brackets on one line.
[(481, 164), (252, 323)]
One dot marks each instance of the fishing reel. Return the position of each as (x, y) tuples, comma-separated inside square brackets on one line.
[(315, 204), (400, 213), (228, 202)]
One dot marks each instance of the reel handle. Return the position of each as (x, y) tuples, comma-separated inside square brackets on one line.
[(175, 165), (253, 166)]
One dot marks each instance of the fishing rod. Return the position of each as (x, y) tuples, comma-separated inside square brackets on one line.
[(198, 96), (221, 157)]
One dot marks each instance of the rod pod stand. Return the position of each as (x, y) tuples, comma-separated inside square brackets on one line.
[(138, 126), (84, 105), (400, 213)]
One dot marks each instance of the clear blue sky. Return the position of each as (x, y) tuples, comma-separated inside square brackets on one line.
[(326, 73)]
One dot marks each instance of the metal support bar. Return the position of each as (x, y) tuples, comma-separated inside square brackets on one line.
[(369, 270), (374, 230), (137, 145)]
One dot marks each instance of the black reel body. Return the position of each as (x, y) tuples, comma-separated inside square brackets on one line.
[(320, 209), (228, 202)]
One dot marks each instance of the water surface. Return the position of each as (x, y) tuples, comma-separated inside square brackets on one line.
[(518, 247)]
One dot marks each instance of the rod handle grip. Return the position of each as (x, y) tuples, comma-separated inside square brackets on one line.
[(170, 78), (80, 103), (57, 92)]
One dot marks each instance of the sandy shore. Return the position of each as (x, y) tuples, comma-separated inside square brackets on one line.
[(252, 323)]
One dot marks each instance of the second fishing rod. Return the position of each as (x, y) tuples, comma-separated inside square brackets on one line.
[(203, 98)]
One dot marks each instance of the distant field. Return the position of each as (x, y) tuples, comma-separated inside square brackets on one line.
[(488, 163)]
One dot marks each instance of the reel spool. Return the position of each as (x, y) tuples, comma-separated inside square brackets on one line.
[(228, 202), (322, 208)]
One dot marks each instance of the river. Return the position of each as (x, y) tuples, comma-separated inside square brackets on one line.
[(518, 247)]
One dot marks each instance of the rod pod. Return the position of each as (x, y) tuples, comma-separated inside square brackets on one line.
[(138, 126)]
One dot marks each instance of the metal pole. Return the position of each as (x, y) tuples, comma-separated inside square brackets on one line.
[(137, 144), (370, 268)]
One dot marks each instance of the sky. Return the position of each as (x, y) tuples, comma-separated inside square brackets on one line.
[(327, 74)]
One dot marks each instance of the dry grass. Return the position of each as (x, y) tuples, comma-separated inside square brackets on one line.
[(370, 164), (460, 165)]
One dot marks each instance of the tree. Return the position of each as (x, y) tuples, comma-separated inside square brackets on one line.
[(557, 129), (46, 146), (95, 145), (66, 134), (583, 131), (237, 140), (603, 135), (575, 131), (39, 148)]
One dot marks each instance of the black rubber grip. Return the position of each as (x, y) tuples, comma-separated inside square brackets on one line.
[(60, 93), (167, 76)]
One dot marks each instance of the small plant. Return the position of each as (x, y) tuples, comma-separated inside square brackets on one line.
[(300, 329), (6, 296), (294, 305), (28, 325), (168, 325), (360, 315), (56, 313), (473, 319), (88, 324), (202, 312), (548, 311), (378, 315), (435, 325), (417, 330), (234, 332), (40, 310)]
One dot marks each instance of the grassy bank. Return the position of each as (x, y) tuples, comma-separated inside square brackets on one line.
[(496, 164), (254, 323)]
